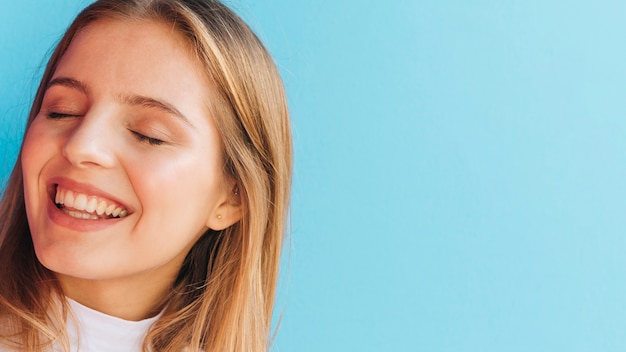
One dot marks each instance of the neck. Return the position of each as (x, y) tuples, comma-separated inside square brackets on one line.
[(133, 298)]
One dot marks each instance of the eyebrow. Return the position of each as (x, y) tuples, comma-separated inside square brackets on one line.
[(139, 100), (133, 100), (68, 82)]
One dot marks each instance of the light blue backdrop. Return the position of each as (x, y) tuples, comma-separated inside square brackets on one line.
[(460, 167)]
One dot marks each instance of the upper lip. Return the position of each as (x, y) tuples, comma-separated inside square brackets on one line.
[(85, 188)]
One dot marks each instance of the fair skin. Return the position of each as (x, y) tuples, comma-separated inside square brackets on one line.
[(123, 167)]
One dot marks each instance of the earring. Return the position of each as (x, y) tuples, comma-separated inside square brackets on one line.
[(236, 190), (219, 216)]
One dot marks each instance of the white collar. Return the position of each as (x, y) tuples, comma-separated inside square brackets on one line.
[(90, 330)]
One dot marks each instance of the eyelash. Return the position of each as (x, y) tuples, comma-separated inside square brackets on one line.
[(58, 115), (145, 139), (140, 137)]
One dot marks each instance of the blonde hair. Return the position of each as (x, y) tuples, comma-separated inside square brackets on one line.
[(223, 297)]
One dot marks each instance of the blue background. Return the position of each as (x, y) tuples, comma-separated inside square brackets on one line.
[(460, 167)]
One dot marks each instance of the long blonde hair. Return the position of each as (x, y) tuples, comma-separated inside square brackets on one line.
[(223, 297)]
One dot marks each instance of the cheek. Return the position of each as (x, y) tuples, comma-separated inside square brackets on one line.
[(32, 161), (177, 191), (33, 156), (36, 148), (29, 151)]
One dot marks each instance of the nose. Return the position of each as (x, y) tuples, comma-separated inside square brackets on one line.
[(90, 144)]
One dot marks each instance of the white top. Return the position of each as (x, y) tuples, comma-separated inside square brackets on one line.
[(90, 330)]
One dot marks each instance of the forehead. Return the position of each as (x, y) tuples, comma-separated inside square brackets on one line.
[(129, 52)]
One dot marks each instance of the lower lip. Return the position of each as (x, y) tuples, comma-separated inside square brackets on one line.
[(60, 218)]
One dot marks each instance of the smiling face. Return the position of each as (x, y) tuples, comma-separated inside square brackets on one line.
[(122, 166)]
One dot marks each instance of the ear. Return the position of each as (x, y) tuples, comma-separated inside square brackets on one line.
[(229, 209)]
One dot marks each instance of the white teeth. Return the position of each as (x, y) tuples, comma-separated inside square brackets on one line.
[(69, 199), (116, 212), (92, 205), (82, 206), (101, 208), (80, 203), (80, 215), (59, 197)]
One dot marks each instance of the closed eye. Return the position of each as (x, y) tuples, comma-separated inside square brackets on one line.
[(59, 115), (145, 139)]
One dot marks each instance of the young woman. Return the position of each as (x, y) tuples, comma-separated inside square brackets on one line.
[(148, 206)]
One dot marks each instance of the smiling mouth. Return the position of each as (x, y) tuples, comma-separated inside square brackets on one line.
[(85, 206)]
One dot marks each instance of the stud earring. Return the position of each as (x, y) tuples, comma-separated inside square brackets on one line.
[(219, 216), (236, 190)]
